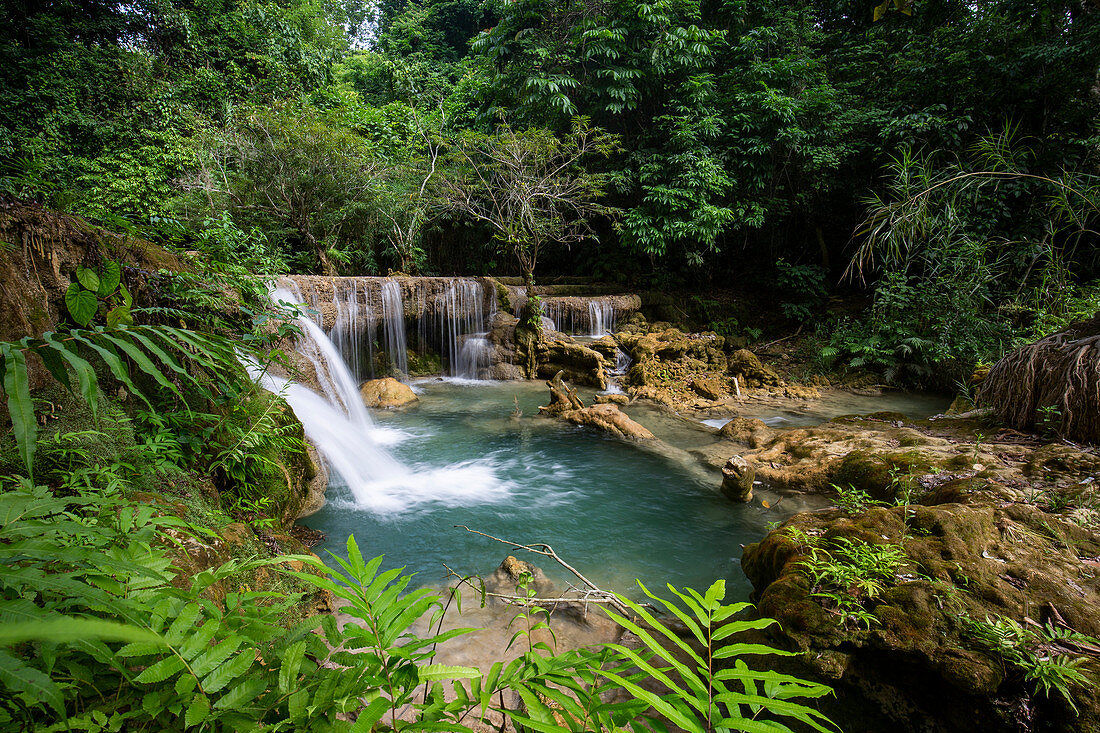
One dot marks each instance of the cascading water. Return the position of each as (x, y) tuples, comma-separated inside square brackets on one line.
[(622, 363), (461, 322), (366, 318), (340, 426), (393, 320), (354, 321), (601, 317), (580, 316)]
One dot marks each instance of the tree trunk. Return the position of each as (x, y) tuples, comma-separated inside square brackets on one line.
[(327, 267)]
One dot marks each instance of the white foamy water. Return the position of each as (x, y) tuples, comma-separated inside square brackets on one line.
[(457, 485)]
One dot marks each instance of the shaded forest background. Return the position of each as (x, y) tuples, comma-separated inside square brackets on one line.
[(939, 157)]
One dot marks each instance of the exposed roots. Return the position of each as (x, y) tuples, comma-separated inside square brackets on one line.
[(1052, 384)]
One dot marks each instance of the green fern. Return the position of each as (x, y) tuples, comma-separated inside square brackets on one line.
[(705, 693), (159, 352)]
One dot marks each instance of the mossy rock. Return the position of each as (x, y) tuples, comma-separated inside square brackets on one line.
[(918, 665), (867, 472), (504, 299)]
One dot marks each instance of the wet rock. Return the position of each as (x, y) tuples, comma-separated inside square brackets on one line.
[(237, 534), (1062, 463), (511, 572), (314, 498), (749, 370), (737, 479), (712, 388), (387, 393), (607, 347)]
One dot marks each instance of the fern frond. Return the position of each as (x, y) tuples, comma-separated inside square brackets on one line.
[(149, 348)]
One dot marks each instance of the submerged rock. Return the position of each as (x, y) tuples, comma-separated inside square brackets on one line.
[(387, 393)]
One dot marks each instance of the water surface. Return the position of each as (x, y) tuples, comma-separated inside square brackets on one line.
[(615, 510)]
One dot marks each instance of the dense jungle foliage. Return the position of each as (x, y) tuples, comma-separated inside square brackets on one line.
[(949, 147), (934, 159)]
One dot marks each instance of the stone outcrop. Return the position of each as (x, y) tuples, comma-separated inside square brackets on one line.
[(387, 393), (883, 453), (700, 371), (520, 353), (914, 661), (580, 364), (747, 368)]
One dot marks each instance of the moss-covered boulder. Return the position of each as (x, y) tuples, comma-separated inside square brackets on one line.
[(904, 648), (749, 371)]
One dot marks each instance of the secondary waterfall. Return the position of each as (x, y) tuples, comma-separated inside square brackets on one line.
[(374, 322), (580, 315), (393, 319), (461, 322), (601, 317)]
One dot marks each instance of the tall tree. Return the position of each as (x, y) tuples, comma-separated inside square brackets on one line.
[(530, 187)]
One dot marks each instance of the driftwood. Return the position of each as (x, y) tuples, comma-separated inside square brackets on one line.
[(562, 398), (1053, 383)]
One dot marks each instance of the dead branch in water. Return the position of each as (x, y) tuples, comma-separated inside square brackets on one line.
[(593, 594)]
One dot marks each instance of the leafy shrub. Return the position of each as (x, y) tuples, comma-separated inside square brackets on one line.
[(802, 286), (1047, 656), (86, 573), (917, 334)]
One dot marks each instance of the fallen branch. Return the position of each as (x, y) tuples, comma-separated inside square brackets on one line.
[(548, 551), (758, 349)]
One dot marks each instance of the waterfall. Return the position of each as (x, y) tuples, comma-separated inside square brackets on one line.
[(601, 317), (354, 321), (393, 319), (575, 315), (622, 363), (461, 322), (337, 423), (340, 426), (366, 319)]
